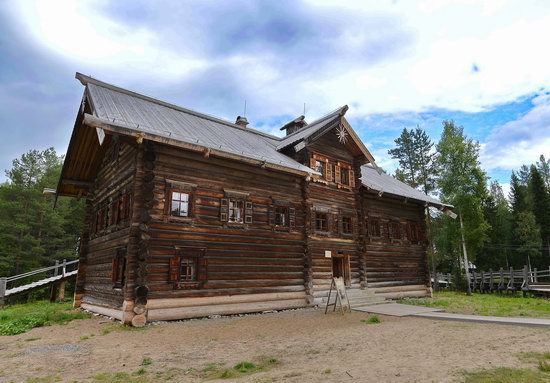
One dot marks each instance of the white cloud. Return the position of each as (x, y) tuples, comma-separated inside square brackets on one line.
[(505, 40), (521, 141)]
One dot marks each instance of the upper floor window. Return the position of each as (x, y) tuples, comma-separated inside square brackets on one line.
[(321, 221), (394, 230), (320, 167), (344, 176), (236, 210), (179, 204), (413, 231), (347, 225), (374, 227), (281, 216)]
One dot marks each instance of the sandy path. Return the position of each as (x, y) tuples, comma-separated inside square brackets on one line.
[(306, 342)]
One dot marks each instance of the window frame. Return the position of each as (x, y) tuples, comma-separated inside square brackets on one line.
[(118, 271), (171, 201), (322, 229), (187, 253), (285, 213), (173, 186), (343, 218), (374, 222)]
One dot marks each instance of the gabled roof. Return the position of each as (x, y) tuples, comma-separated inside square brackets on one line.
[(129, 111), (331, 119), (383, 183)]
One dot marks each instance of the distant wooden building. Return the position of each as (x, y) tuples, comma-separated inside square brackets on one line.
[(189, 215)]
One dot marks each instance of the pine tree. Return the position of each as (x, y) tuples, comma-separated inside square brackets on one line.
[(405, 153), (544, 169), (541, 206), (529, 243)]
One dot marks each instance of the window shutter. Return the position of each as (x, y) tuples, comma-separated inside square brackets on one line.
[(313, 219), (174, 269), (271, 215), (351, 178), (202, 272), (339, 224), (329, 172), (291, 217), (224, 204), (114, 269), (312, 162), (248, 212), (354, 225), (337, 174)]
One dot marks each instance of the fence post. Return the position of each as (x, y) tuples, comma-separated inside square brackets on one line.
[(64, 269), (3, 283), (535, 277), (449, 281), (56, 270), (525, 284)]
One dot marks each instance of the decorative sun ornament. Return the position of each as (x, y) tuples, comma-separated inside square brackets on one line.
[(341, 134)]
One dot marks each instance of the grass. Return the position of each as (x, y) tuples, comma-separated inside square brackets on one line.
[(217, 370), (373, 319), (515, 375), (110, 327), (485, 304), (20, 318)]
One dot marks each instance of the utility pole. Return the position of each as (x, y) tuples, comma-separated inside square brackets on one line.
[(465, 253)]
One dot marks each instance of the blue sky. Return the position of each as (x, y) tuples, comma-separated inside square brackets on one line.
[(395, 63)]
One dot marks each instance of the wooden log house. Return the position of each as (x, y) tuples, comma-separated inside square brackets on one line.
[(189, 215)]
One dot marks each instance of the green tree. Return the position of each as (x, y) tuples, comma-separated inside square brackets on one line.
[(541, 206), (405, 153), (32, 233), (544, 169), (462, 183), (527, 234)]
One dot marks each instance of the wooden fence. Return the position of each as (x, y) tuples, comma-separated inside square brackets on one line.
[(537, 281)]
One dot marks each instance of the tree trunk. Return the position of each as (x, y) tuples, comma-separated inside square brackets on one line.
[(465, 253)]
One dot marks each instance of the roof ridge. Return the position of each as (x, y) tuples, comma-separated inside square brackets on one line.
[(84, 80), (343, 109)]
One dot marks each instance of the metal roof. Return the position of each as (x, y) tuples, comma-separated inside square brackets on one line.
[(305, 132), (382, 182), (148, 115)]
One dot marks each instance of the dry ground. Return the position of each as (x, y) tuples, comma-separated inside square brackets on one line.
[(309, 347)]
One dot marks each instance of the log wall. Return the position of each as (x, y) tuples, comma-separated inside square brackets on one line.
[(114, 179), (395, 267), (254, 261)]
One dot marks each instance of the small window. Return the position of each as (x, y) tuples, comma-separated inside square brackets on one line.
[(120, 209), (188, 269), (119, 268), (344, 176), (321, 222), (374, 227), (281, 216), (179, 206), (236, 210), (394, 230), (320, 167), (346, 225), (413, 232)]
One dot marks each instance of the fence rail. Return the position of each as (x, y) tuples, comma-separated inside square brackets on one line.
[(511, 279), (59, 271)]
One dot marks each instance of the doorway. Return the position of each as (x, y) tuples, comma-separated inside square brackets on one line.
[(341, 268)]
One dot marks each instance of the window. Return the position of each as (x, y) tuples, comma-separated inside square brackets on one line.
[(236, 207), (179, 204), (188, 268), (281, 216), (394, 230), (119, 268), (120, 209), (347, 225), (344, 176), (320, 167), (321, 222), (413, 232), (374, 227)]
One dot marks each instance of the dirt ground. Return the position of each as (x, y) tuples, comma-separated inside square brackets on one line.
[(308, 346)]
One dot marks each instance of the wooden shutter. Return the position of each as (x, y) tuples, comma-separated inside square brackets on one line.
[(271, 215), (329, 171), (337, 174), (114, 270), (202, 269), (354, 225), (291, 217), (351, 178), (248, 212), (312, 162), (174, 273), (224, 206)]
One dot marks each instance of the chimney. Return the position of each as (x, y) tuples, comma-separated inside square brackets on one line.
[(294, 125), (241, 121)]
